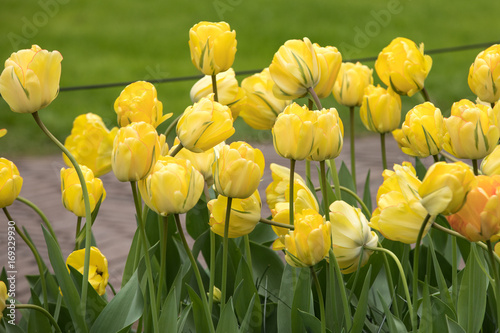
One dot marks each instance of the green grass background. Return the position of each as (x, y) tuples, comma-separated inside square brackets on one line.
[(104, 41)]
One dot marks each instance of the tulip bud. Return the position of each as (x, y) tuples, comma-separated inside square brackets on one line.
[(245, 214), (403, 66), (329, 60), (351, 82), (212, 46), (3, 131), (10, 182), (204, 125), (484, 74), (381, 109), (3, 297), (98, 267), (30, 80), (491, 163), (329, 135)]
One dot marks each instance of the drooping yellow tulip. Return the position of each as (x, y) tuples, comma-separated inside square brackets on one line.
[(491, 163), (98, 267), (10, 182)]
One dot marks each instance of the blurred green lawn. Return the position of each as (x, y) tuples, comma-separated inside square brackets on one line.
[(104, 41)]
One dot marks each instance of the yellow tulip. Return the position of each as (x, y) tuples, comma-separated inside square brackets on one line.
[(3, 131), (174, 186), (277, 191), (91, 143), (135, 150), (484, 74), (403, 66), (10, 182), (212, 46), (351, 82), (30, 80), (3, 297), (381, 109), (329, 135), (293, 132), (330, 60), (422, 131), (310, 242), (479, 218), (295, 69), (445, 187), (238, 170), (491, 163), (72, 194), (139, 102), (245, 214), (261, 107), (399, 214), (204, 125), (472, 130), (350, 235), (98, 267)]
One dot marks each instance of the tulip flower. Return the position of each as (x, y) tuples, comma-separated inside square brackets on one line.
[(381, 109), (238, 170), (174, 186), (3, 131), (329, 60), (277, 191), (350, 235), (329, 135), (403, 66), (212, 46), (295, 68), (479, 218), (98, 267), (139, 102), (91, 143), (245, 214), (204, 125), (422, 131), (445, 187), (472, 130), (10, 182), (261, 107), (310, 242), (3, 297), (135, 150), (351, 82), (399, 214), (491, 163), (484, 75), (30, 80)]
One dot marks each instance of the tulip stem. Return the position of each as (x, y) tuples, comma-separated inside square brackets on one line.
[(277, 224), (382, 146), (475, 167), (335, 175), (43, 311), (214, 87), (315, 97), (436, 158), (353, 149), (324, 185), (320, 299), (496, 277), (225, 252), (194, 265), (41, 214), (163, 221), (390, 283), (248, 254), (290, 198), (172, 125), (88, 213), (177, 149), (425, 94), (358, 199), (78, 226), (142, 231)]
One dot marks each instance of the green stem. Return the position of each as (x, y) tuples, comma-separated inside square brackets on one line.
[(142, 231), (225, 253), (449, 156), (203, 294), (320, 299), (88, 213), (308, 169), (496, 277), (172, 125), (41, 310), (475, 167), (454, 270), (353, 149), (277, 224), (248, 254), (335, 270), (315, 98), (290, 199), (177, 149), (382, 146), (324, 185), (41, 214), (390, 282), (163, 257), (436, 158), (425, 94), (335, 175), (78, 226), (214, 87), (112, 288), (358, 199)]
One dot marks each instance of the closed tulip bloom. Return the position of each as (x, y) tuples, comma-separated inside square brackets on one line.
[(350, 235), (91, 143), (381, 109), (135, 150), (329, 135), (10, 182), (399, 214), (98, 267), (491, 163), (212, 46), (30, 80), (3, 297), (277, 191), (204, 125), (422, 131), (330, 60), (245, 214), (351, 82), (261, 107), (472, 130), (310, 242), (484, 75), (72, 193), (479, 218), (3, 131), (445, 187), (238, 170), (174, 186), (139, 102), (403, 66), (295, 68), (293, 132)]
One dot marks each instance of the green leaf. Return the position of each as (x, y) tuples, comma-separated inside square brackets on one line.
[(168, 316), (227, 321), (197, 218), (128, 271), (244, 294), (38, 322), (262, 234), (361, 308), (420, 168), (426, 318), (13, 328), (311, 323), (288, 281), (269, 265), (346, 181), (198, 312), (245, 323), (302, 299), (394, 323), (367, 194), (181, 322), (443, 287), (439, 310), (453, 326)]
